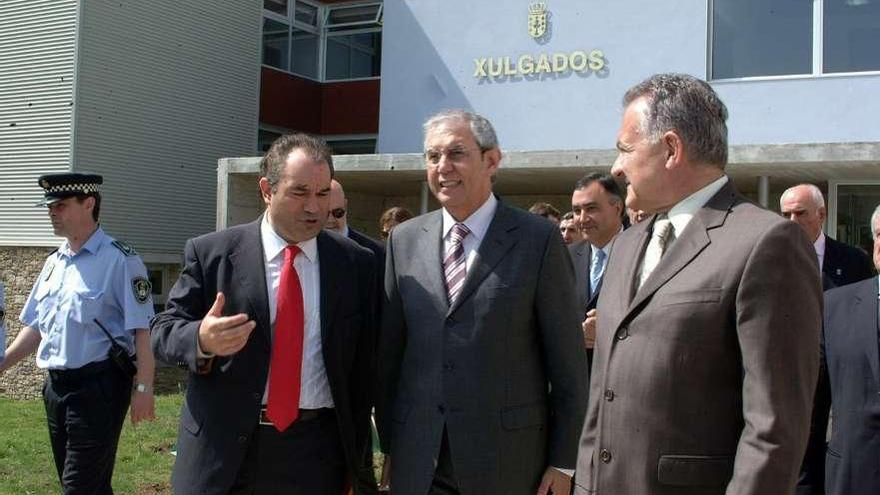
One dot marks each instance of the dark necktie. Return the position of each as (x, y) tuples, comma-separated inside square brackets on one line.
[(454, 266), (285, 367)]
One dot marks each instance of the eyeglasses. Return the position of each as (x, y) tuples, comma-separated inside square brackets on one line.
[(454, 155), (338, 212)]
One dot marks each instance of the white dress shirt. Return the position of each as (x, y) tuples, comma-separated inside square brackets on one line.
[(314, 387), (477, 223), (681, 214), (819, 246)]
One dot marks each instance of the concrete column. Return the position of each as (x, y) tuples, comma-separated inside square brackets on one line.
[(764, 191), (423, 199)]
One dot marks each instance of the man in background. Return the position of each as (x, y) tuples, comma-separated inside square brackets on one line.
[(841, 264), (571, 232)]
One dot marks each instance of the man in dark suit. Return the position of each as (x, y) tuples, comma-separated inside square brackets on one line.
[(841, 264), (483, 381), (597, 204), (337, 220), (705, 360), (849, 383), (274, 320)]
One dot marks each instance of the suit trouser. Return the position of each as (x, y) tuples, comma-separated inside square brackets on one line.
[(305, 459), (444, 482), (85, 410)]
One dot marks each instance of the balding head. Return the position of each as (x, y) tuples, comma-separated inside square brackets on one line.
[(338, 206), (804, 205)]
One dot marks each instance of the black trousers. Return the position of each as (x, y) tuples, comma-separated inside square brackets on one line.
[(306, 459), (85, 410)]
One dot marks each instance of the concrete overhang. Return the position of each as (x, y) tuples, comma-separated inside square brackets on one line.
[(555, 172)]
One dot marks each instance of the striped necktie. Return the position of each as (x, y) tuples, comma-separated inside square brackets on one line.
[(454, 267)]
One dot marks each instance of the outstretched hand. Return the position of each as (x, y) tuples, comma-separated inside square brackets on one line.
[(224, 335)]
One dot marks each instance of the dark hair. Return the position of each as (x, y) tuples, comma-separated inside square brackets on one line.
[(96, 210), (397, 214), (315, 147), (569, 215), (688, 106), (545, 210), (606, 181)]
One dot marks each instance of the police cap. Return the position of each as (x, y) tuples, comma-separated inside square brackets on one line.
[(62, 186)]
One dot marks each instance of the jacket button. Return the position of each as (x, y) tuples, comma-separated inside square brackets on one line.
[(605, 455), (441, 408), (609, 394), (448, 366), (623, 333), (242, 438), (257, 396)]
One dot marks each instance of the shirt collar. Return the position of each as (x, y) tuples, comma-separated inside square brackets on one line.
[(477, 223), (92, 245), (274, 244), (819, 245), (680, 214), (607, 248)]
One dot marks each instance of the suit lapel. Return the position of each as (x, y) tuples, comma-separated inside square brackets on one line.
[(247, 257), (332, 267), (687, 246), (429, 251), (493, 248), (866, 310)]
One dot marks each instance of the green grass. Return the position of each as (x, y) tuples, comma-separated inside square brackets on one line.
[(143, 461)]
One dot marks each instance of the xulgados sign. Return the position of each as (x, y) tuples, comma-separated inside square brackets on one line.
[(539, 28)]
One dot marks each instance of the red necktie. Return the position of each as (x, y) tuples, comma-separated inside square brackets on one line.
[(287, 347)]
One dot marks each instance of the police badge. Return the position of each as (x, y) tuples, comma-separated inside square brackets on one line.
[(537, 19), (141, 287)]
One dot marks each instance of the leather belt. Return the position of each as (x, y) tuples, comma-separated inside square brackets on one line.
[(76, 374), (304, 415)]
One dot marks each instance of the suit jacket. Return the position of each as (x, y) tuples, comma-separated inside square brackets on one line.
[(221, 410), (844, 264), (704, 377), (582, 258), (501, 369), (849, 383)]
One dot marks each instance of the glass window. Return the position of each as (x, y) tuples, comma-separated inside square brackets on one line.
[(305, 53), (276, 44), (306, 14), (852, 36), (352, 146), (761, 38), (353, 56), (855, 203), (277, 6), (353, 15), (265, 138)]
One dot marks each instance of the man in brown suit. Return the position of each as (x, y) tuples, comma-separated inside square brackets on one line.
[(707, 342)]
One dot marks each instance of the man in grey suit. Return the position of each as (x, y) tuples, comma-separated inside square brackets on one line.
[(707, 343), (482, 377), (597, 204)]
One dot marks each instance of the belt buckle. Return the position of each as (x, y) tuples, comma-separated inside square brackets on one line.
[(264, 419)]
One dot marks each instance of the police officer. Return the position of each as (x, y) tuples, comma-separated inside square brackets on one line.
[(89, 277)]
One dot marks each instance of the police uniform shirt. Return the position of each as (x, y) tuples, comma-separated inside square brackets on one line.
[(106, 281)]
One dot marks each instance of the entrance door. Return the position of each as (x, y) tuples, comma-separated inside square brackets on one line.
[(850, 207)]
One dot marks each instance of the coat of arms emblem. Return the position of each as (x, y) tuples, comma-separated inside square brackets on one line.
[(537, 19)]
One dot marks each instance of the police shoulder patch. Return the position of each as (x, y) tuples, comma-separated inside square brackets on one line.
[(125, 248), (141, 288)]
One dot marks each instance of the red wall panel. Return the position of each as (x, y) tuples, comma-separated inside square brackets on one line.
[(330, 108)]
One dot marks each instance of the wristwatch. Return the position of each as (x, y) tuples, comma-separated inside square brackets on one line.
[(140, 387)]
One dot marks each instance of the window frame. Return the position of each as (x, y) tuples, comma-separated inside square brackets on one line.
[(818, 47), (322, 30)]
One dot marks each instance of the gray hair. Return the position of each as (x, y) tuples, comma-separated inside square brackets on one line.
[(481, 128), (875, 217), (688, 106), (815, 194)]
